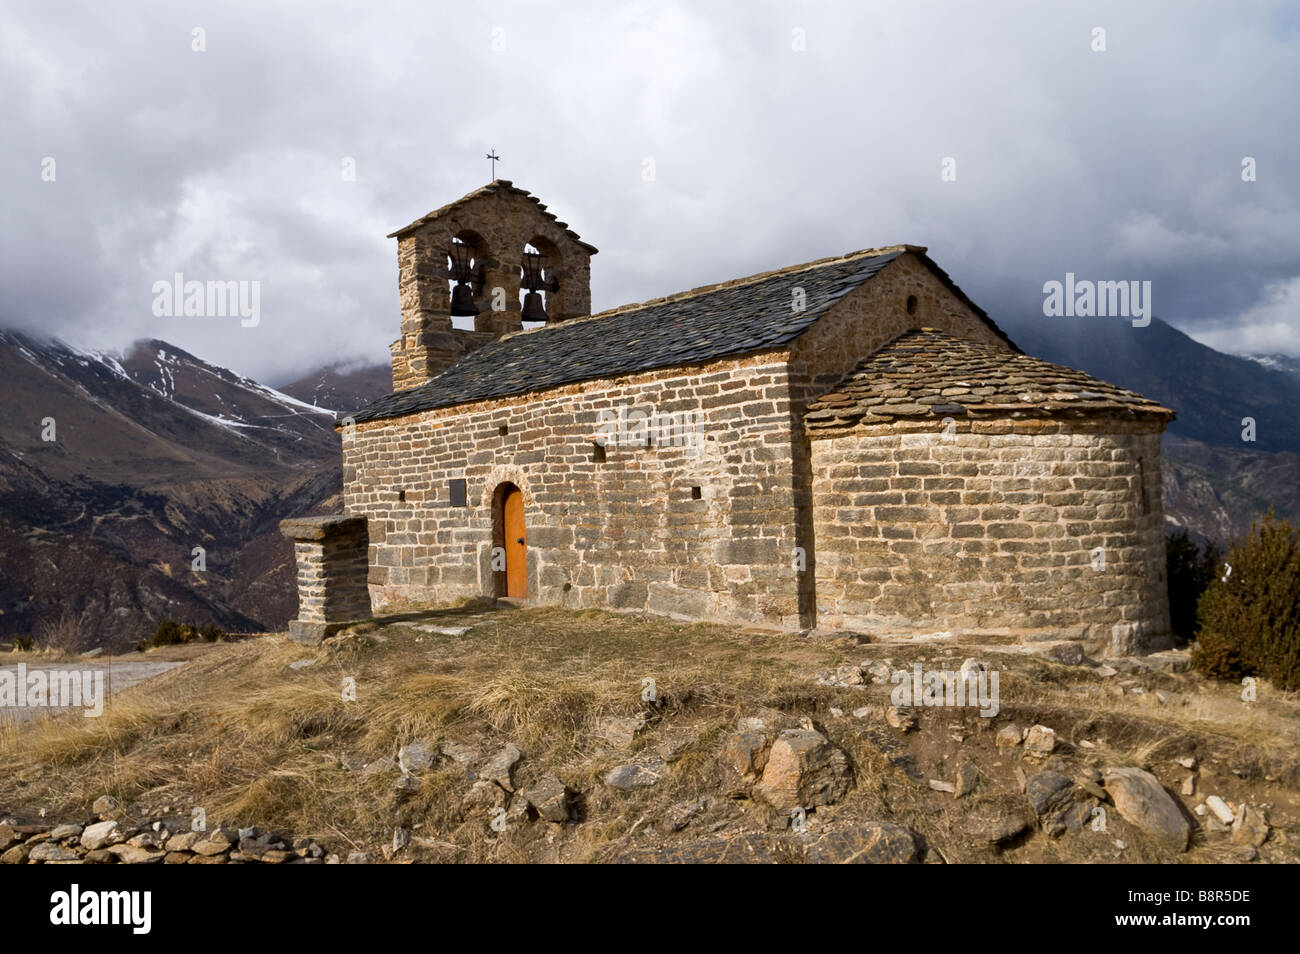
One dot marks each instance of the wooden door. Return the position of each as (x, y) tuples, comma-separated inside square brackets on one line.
[(512, 516)]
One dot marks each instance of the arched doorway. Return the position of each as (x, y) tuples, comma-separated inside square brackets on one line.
[(510, 533)]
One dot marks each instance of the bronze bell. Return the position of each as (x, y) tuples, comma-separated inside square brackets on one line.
[(462, 302), (534, 307)]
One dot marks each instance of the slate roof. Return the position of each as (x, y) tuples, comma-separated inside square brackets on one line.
[(496, 186), (927, 374), (705, 324)]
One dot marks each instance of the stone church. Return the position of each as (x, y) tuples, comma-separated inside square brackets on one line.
[(850, 443)]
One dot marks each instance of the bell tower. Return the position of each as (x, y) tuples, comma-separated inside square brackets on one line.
[(475, 258)]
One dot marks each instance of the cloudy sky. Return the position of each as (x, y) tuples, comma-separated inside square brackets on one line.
[(779, 132)]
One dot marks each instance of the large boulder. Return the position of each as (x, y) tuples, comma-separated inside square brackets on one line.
[(1143, 802), (803, 771)]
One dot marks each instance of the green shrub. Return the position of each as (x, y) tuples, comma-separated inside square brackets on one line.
[(173, 633), (1190, 569), (1250, 621)]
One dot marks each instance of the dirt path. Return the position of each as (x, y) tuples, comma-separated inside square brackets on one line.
[(117, 675)]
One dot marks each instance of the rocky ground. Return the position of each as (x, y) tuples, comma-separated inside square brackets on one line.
[(475, 734)]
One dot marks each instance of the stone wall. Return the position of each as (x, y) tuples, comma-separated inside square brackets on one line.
[(866, 319), (331, 553), (1035, 528), (496, 222), (871, 316), (693, 531)]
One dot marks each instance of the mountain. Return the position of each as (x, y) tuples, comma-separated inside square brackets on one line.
[(1215, 482), (113, 468), (341, 387), (1277, 362)]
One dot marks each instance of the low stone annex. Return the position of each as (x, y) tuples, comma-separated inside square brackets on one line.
[(850, 443)]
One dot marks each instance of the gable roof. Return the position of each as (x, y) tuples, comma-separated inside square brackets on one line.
[(928, 374), (502, 187), (708, 323)]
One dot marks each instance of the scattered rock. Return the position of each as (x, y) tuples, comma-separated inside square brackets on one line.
[(803, 770), (1040, 741), (1188, 762), (1189, 785), (675, 743), (17, 855), (1250, 827), (862, 712), (1068, 654), (1220, 808), (8, 837), (147, 839), (621, 731), (500, 767), (1090, 786), (49, 851), (549, 798), (460, 753), (182, 841), (106, 807), (849, 675), (483, 796), (866, 844), (941, 786), (360, 858), (65, 832), (1143, 802), (1050, 795), (901, 719), (683, 813), (1009, 736), (378, 766), (967, 778), (133, 855), (413, 758), (997, 821), (744, 756), (635, 775), (401, 838)]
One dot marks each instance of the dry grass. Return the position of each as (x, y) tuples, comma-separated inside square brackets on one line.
[(253, 741)]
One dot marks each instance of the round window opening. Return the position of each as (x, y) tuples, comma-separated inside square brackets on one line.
[(911, 304)]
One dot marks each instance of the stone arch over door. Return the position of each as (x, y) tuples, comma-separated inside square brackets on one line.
[(510, 539)]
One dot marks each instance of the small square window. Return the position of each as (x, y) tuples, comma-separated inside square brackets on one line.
[(598, 453), (457, 492), (697, 493), (503, 430), (401, 496)]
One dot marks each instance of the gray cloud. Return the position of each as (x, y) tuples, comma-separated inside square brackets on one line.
[(226, 164)]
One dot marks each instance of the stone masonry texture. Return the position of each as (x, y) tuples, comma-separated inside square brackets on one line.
[(733, 509)]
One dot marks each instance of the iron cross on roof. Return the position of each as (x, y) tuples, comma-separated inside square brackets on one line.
[(494, 157)]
